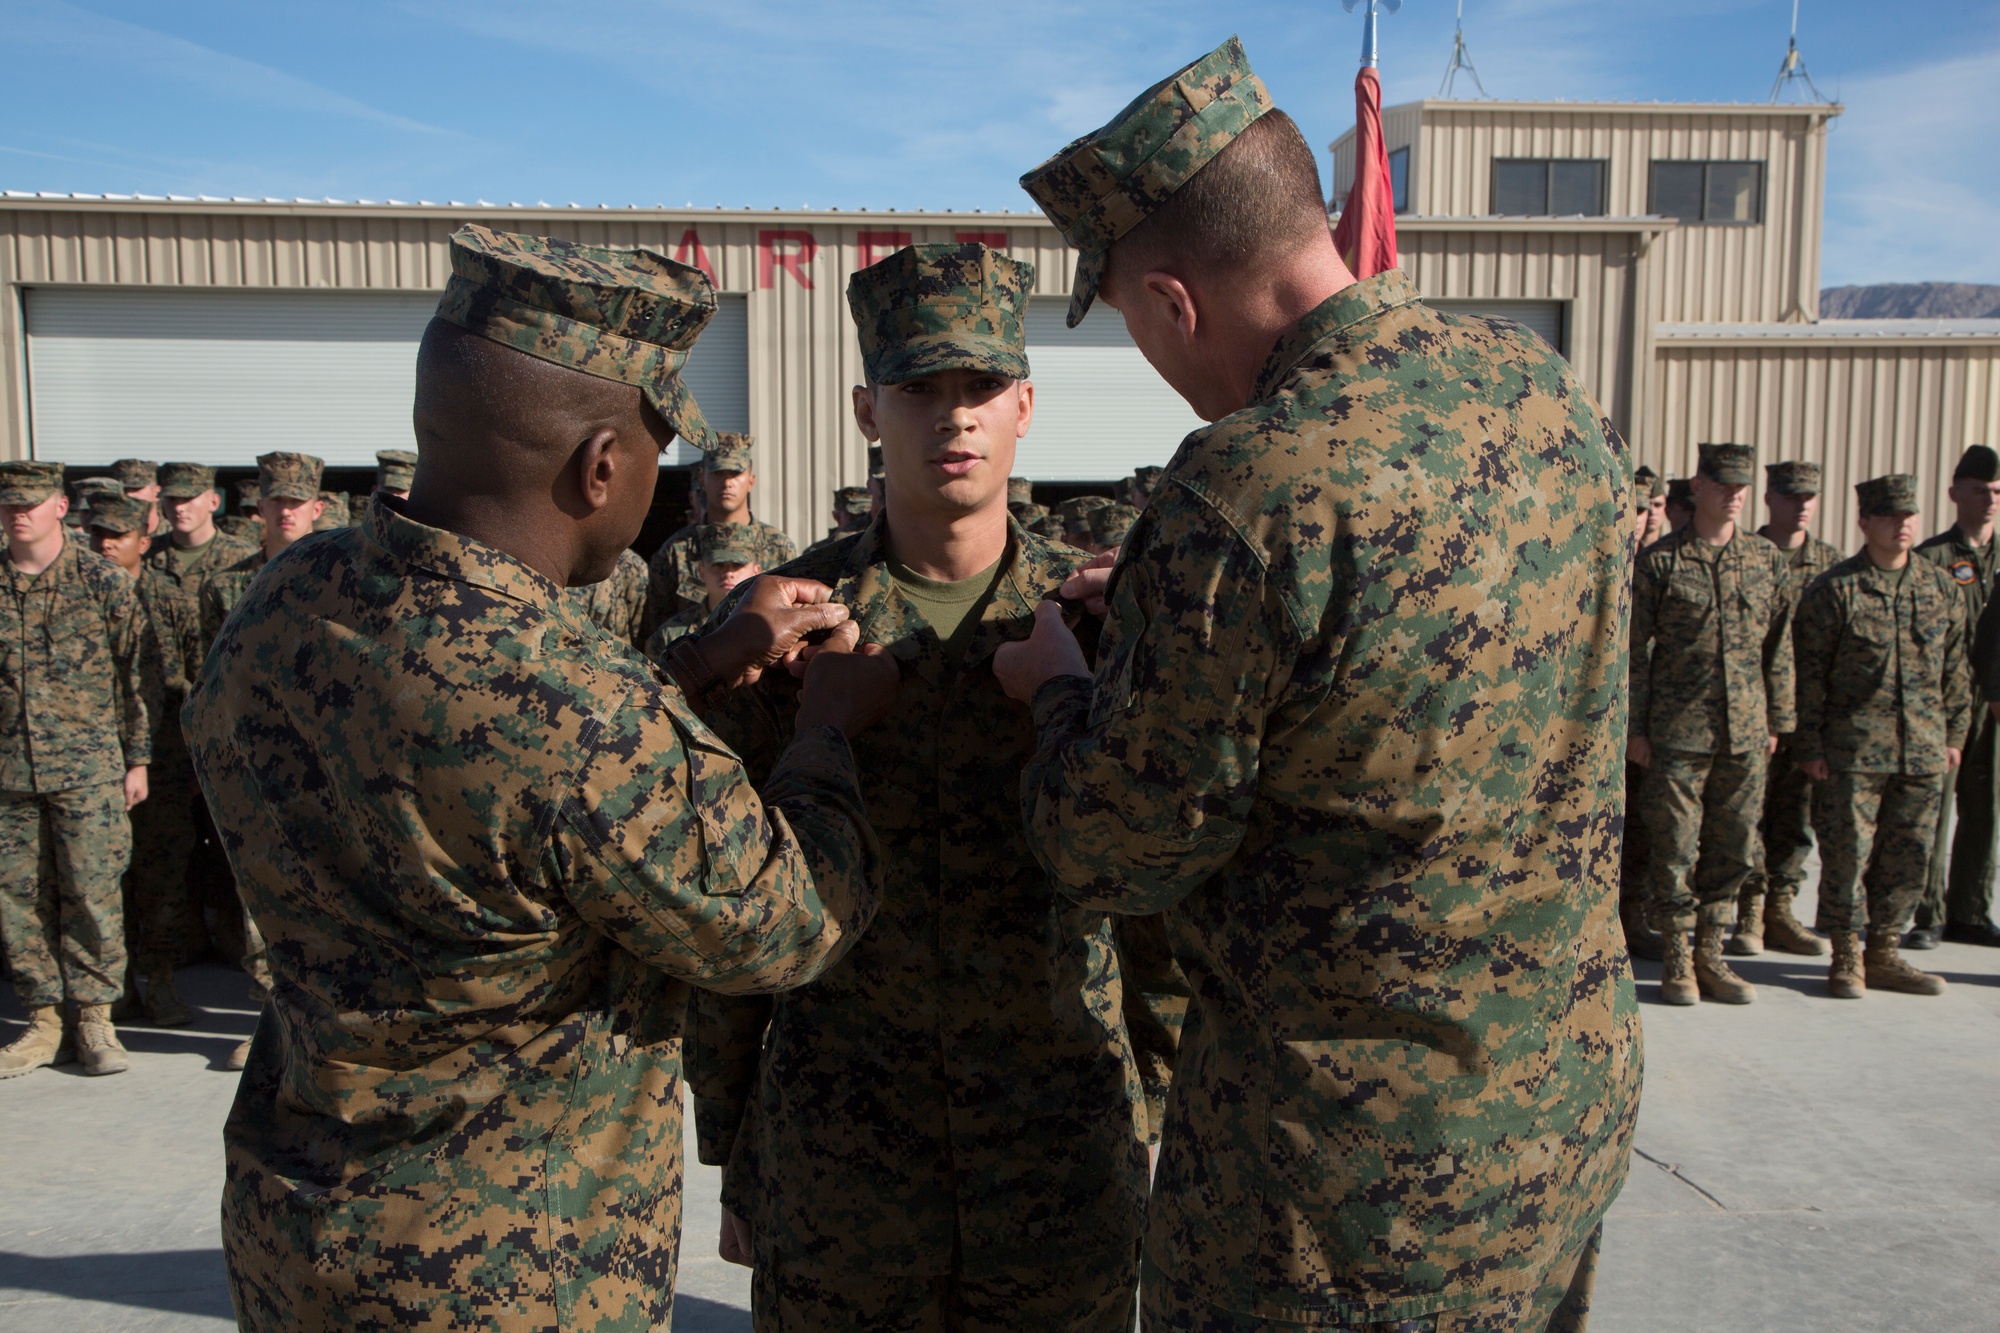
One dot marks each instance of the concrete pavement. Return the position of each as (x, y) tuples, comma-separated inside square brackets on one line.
[(1803, 1163)]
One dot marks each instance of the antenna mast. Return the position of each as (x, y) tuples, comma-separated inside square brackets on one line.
[(1461, 59), (1793, 70)]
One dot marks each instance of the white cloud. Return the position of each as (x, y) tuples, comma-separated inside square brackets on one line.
[(1913, 178)]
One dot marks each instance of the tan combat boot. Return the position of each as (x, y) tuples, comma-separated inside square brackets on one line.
[(97, 1048), (164, 1004), (1844, 980), (1785, 932), (1641, 940), (1677, 985), (1886, 969), (1711, 975), (44, 1043), (1748, 940), (239, 1056)]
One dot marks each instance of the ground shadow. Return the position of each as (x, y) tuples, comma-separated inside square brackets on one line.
[(1789, 971), (192, 1282), (693, 1314)]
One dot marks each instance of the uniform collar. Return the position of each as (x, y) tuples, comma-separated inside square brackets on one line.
[(452, 556), (60, 570), (1345, 313)]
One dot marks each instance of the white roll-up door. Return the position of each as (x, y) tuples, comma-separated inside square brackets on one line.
[(207, 376), (1100, 409), (1544, 318)]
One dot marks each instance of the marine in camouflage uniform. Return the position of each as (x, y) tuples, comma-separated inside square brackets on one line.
[(724, 558), (1641, 940), (333, 512), (947, 1129), (1367, 760), (675, 567), (73, 726), (853, 506), (490, 855), (243, 525), (1784, 830), (1072, 519), (618, 604), (395, 471), (162, 920), (188, 566), (1884, 694), (1139, 487), (1711, 689), (1109, 525), (1958, 899)]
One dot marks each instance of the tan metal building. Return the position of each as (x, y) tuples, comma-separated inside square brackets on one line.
[(1672, 252)]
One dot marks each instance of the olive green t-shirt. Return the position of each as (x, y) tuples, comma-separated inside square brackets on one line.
[(946, 607)]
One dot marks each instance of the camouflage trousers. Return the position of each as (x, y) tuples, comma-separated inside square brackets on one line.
[(163, 926), (1094, 1294), (1558, 1303), (1785, 836), (1960, 887), (61, 856), (1636, 852), (1700, 812), (1875, 832)]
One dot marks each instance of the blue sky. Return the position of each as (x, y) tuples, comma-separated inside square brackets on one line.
[(771, 103)]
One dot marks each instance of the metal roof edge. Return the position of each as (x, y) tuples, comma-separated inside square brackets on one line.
[(1836, 333), (36, 201)]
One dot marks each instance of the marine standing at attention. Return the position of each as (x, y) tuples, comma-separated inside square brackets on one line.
[(1355, 722), (728, 480), (490, 851), (1711, 694), (1885, 700), (74, 744), (192, 547), (948, 1129), (1958, 900)]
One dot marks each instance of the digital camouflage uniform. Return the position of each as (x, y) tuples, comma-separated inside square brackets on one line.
[(617, 605), (1072, 518), (187, 567), (333, 512), (714, 543), (72, 722), (1711, 684), (852, 506), (490, 853), (947, 1129), (1884, 690), (1960, 887), (1784, 831), (395, 471), (676, 566), (1356, 725), (1109, 524), (161, 917)]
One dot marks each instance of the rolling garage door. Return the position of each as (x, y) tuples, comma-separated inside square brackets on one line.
[(219, 377), (1541, 317), (1100, 410)]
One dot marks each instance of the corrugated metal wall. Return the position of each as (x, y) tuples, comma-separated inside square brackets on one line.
[(792, 267), (1859, 411)]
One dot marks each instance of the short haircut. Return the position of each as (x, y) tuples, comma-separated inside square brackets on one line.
[(1258, 199)]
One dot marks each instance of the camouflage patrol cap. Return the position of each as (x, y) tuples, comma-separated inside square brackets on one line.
[(117, 513), (729, 452), (1680, 492), (1104, 184), (1792, 477), (135, 474), (1074, 514), (853, 501), (1978, 463), (625, 315), (874, 461), (1893, 494), (1109, 523), (247, 494), (1020, 490), (1650, 484), (1730, 464), (184, 481), (725, 544), (928, 308), (1147, 478), (85, 489), (287, 476), (334, 515), (395, 469)]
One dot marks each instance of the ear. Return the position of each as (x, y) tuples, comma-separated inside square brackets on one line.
[(595, 464), (864, 412), (1026, 388), (1172, 304)]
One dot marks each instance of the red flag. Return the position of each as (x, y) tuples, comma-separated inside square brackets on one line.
[(1366, 234)]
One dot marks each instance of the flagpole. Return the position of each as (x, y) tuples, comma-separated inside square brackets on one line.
[(1371, 54)]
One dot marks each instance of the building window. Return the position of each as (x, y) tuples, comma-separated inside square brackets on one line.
[(1718, 192), (1548, 187), (1399, 179)]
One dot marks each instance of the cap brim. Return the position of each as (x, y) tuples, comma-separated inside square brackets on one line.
[(674, 402), (1089, 272), (918, 357), (25, 496)]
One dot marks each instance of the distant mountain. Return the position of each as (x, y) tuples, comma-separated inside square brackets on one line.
[(1912, 300)]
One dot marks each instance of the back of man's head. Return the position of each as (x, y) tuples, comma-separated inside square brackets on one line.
[(1256, 202)]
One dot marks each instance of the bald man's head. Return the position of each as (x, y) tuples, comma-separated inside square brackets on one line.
[(569, 460)]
